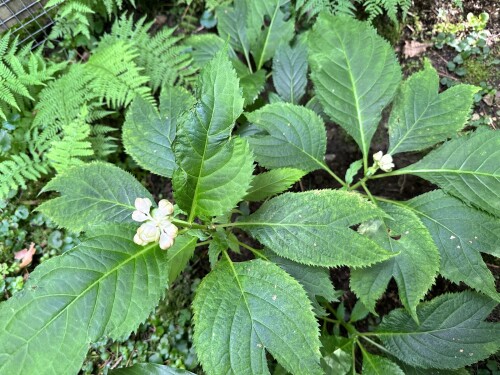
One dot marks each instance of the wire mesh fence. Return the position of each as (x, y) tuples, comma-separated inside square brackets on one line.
[(26, 18)]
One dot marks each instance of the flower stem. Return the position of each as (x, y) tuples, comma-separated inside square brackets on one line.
[(185, 224), (255, 252)]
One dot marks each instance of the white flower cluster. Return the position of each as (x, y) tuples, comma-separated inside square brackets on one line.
[(382, 161), (157, 224)]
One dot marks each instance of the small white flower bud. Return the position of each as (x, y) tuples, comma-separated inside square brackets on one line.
[(143, 205), (382, 161)]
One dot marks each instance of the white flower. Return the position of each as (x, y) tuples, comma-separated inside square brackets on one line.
[(384, 162), (157, 224)]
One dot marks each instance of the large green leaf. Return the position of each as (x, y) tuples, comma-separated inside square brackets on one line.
[(150, 369), (296, 137), (270, 183), (314, 228), (204, 47), (414, 267), (421, 117), (242, 310), (315, 280), (460, 233), (451, 333), (148, 135), (290, 71), (179, 255), (355, 74), (231, 26), (92, 194), (106, 286), (376, 365), (267, 28), (214, 172), (466, 167)]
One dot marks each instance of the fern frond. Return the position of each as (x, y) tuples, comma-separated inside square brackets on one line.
[(72, 148), (16, 171), (116, 78), (109, 5), (103, 144), (72, 19)]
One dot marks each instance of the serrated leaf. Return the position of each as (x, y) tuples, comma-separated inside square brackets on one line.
[(409, 370), (451, 333), (355, 74), (204, 47), (92, 194), (421, 117), (267, 28), (359, 312), (414, 267), (217, 245), (242, 310), (376, 365), (315, 280), (467, 168), (251, 84), (214, 172), (222, 180), (270, 183), (290, 71), (150, 369), (231, 26), (106, 286), (314, 228), (353, 171), (148, 135), (179, 255), (460, 233), (337, 355), (296, 137)]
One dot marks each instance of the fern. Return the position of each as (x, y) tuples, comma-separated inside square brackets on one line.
[(162, 56), (18, 169), (20, 72), (375, 8), (72, 19), (110, 6), (72, 147), (103, 144)]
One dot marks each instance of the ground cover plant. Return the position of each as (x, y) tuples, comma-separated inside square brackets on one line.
[(230, 148)]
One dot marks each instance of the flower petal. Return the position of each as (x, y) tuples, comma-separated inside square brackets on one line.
[(139, 216), (166, 241), (170, 229), (143, 204), (377, 156), (165, 208)]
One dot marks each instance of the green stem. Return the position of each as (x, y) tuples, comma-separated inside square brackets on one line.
[(329, 320), (203, 243), (374, 343), (398, 172), (331, 173), (247, 58), (354, 356), (185, 224), (255, 252), (369, 194)]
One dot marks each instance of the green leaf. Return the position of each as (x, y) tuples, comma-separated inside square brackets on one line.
[(359, 312), (353, 171), (267, 28), (467, 168), (150, 369), (242, 310), (337, 355), (314, 228), (179, 255), (376, 365), (106, 286), (214, 172), (92, 194), (409, 370), (355, 74), (251, 84), (148, 135), (315, 280), (222, 180), (204, 47), (231, 26), (270, 183), (460, 233), (414, 266), (296, 137), (451, 333), (290, 71), (421, 117)]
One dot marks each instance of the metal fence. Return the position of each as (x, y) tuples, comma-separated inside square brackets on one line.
[(26, 18)]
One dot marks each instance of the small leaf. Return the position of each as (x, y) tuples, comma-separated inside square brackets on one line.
[(92, 194), (290, 71), (460, 233), (267, 184), (232, 26), (451, 333), (359, 312), (251, 84), (263, 309), (150, 369), (105, 286), (355, 74), (467, 168), (314, 228), (421, 117), (148, 135), (315, 280), (204, 47), (353, 171), (296, 137), (179, 255), (414, 266), (376, 365)]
